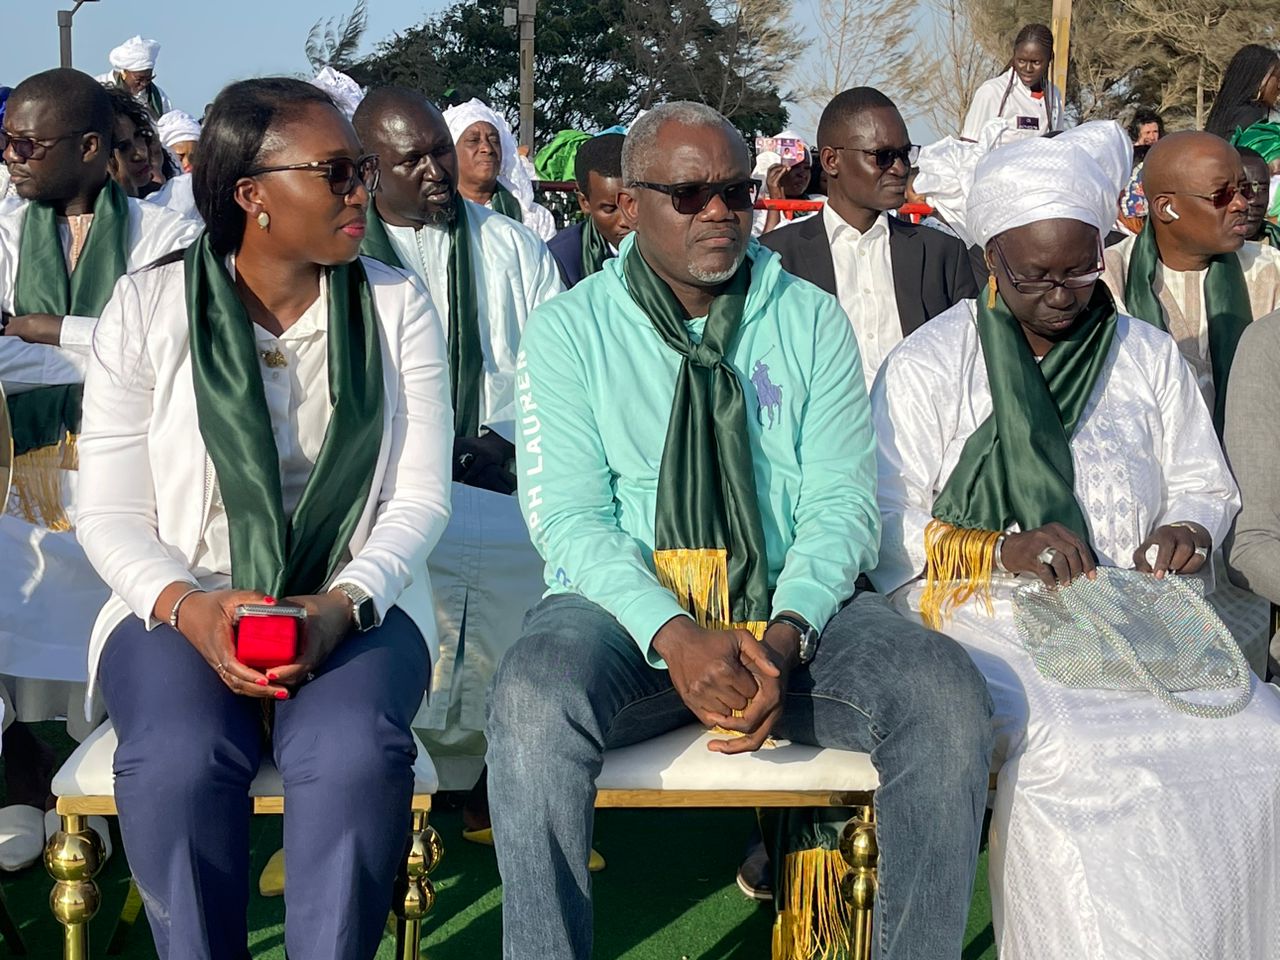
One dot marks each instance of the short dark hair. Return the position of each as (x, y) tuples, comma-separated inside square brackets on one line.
[(236, 130), (601, 155), (846, 106), (75, 99), (123, 104), (1248, 153), (1141, 117)]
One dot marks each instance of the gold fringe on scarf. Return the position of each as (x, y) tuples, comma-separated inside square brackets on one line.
[(37, 484), (813, 920), (700, 581), (958, 565)]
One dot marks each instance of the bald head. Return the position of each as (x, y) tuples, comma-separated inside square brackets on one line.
[(418, 161), (1185, 177)]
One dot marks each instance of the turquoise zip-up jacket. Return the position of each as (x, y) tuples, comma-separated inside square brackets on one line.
[(594, 386)]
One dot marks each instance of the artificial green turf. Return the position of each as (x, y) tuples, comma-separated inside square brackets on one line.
[(668, 894)]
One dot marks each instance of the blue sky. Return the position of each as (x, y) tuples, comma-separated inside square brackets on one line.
[(205, 44)]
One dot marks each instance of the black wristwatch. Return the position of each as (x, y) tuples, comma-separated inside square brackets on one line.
[(809, 637), (363, 614)]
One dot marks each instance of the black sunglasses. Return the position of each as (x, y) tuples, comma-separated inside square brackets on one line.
[(692, 198), (342, 174), (1223, 196), (1077, 281), (32, 148), (886, 156)]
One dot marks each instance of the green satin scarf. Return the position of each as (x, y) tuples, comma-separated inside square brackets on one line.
[(1270, 234), (1227, 309), (277, 554), (505, 203), (1017, 466), (466, 357), (595, 251), (706, 502)]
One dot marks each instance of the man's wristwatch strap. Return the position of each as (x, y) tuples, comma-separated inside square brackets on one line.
[(808, 635)]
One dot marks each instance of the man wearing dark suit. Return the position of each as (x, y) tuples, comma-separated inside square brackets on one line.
[(582, 249), (889, 275)]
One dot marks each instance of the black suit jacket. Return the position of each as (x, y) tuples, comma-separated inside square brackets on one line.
[(931, 270)]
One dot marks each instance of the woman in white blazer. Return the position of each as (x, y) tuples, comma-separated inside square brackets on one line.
[(267, 416), (1023, 97)]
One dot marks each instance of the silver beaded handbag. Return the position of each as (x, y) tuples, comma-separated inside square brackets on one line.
[(1129, 631)]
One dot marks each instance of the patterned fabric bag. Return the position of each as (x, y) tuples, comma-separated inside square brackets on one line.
[(1129, 631)]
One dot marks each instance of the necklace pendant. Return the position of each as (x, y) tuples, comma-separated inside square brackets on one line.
[(274, 358)]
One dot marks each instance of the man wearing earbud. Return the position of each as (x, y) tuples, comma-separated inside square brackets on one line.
[(1191, 271)]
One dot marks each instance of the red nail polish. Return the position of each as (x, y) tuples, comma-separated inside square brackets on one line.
[(282, 694), (261, 683), (270, 676), (268, 599)]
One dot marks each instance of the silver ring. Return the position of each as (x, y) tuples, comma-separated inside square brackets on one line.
[(1202, 553), (222, 667), (1046, 556)]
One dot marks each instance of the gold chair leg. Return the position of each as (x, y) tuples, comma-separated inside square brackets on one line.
[(129, 914), (415, 895), (859, 848), (73, 857)]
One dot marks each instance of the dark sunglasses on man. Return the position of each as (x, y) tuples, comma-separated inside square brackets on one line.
[(1223, 196), (32, 148), (342, 173), (690, 199), (885, 157)]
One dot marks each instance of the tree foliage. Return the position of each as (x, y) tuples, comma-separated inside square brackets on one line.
[(333, 43), (597, 64)]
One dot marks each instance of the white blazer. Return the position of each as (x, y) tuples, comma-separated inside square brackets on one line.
[(146, 477)]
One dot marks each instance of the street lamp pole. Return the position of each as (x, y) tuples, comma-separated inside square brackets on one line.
[(64, 30), (524, 17)]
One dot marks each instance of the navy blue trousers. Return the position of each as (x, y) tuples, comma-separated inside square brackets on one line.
[(189, 749)]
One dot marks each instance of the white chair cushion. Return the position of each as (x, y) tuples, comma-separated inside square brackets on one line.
[(88, 773), (680, 760)]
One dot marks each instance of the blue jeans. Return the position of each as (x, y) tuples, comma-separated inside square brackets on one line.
[(576, 684), (188, 750)]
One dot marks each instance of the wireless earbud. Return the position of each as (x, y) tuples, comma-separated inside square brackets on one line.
[(1173, 214)]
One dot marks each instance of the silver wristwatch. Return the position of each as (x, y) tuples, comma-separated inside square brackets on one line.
[(809, 637), (363, 614)]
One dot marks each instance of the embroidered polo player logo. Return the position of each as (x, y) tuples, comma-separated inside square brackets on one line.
[(768, 395)]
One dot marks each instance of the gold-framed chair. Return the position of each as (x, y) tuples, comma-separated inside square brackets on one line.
[(74, 855), (676, 770)]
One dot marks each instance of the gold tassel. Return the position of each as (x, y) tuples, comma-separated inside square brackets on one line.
[(813, 921), (991, 292), (37, 484), (958, 565)]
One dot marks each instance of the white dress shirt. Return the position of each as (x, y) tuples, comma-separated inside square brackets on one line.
[(298, 402), (864, 286)]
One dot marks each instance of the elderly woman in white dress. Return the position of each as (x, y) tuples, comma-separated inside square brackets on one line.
[(1038, 432)]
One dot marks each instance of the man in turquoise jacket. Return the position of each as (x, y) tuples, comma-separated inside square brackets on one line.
[(697, 467)]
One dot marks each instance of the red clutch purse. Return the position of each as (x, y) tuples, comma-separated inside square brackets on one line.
[(268, 634)]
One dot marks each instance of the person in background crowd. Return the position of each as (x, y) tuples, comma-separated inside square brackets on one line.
[(61, 252), (344, 91), (131, 146), (582, 249), (1146, 127), (1132, 216), (489, 171), (1257, 172), (889, 275), (133, 70), (1191, 271), (655, 547), (269, 357), (1051, 434), (180, 134), (1022, 96), (1249, 90), (486, 273), (1263, 140), (7, 196), (780, 181)]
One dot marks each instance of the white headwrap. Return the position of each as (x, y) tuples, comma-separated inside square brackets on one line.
[(135, 54), (346, 92), (177, 126), (946, 174), (1075, 176), (510, 173)]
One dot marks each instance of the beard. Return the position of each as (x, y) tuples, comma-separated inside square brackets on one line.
[(444, 215), (712, 277)]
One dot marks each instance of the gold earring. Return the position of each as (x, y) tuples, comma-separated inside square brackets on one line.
[(264, 220), (991, 292)]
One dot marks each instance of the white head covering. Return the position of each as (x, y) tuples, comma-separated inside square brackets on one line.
[(510, 173), (946, 174), (1075, 176), (177, 126), (346, 92), (135, 54)]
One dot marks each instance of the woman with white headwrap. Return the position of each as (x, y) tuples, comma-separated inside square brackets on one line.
[(179, 133), (1037, 433), (780, 180), (489, 169), (133, 68)]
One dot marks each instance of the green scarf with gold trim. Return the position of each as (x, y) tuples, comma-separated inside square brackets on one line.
[(1227, 309), (709, 546), (277, 554), (466, 357)]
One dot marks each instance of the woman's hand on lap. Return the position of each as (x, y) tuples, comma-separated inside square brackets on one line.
[(328, 623), (207, 622)]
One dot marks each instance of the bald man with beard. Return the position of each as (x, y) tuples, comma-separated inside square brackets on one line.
[(1191, 271)]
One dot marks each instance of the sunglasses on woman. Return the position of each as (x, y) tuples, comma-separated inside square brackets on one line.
[(342, 174), (692, 198), (1223, 196)]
